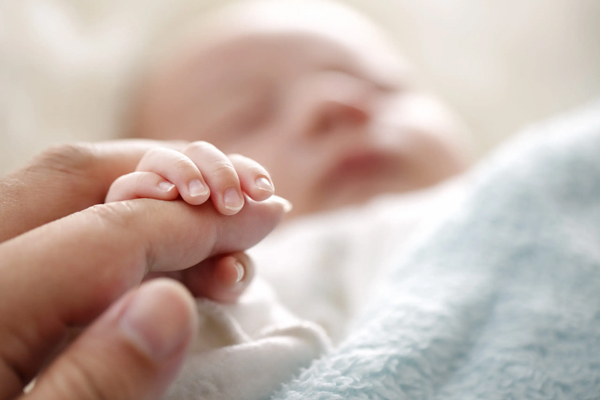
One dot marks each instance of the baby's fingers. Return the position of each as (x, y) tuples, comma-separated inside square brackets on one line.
[(179, 169), (141, 185), (254, 179), (220, 175)]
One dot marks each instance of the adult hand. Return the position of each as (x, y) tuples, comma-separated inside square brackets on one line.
[(71, 177), (77, 270), (66, 179)]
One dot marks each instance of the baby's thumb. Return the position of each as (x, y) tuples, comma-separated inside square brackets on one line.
[(133, 351)]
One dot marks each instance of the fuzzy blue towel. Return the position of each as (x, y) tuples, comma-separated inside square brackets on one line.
[(502, 301)]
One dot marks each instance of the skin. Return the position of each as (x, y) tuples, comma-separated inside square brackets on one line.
[(67, 261), (329, 110), (319, 119), (196, 174)]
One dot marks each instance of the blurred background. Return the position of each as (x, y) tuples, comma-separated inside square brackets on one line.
[(67, 66)]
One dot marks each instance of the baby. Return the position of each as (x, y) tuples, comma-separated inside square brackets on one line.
[(312, 92), (315, 96)]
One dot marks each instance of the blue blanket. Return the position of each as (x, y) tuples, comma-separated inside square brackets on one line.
[(502, 300)]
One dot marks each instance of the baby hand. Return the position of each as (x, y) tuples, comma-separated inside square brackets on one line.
[(198, 173)]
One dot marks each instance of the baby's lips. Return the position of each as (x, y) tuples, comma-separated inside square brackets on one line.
[(287, 205)]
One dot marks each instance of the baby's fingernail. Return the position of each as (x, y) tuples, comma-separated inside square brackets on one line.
[(165, 186), (197, 188), (264, 184), (287, 206), (240, 271), (232, 199)]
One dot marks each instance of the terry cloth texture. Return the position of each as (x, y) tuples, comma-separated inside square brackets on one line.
[(501, 300)]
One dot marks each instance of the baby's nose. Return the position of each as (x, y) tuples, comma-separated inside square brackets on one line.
[(333, 114), (339, 102)]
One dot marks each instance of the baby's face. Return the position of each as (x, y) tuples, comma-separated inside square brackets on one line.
[(335, 122)]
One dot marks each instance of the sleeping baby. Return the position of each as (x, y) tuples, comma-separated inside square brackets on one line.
[(312, 92), (322, 109)]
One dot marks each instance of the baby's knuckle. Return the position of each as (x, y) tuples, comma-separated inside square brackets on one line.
[(245, 160), (199, 146), (236, 156), (223, 168), (241, 159), (155, 152), (139, 179), (182, 163)]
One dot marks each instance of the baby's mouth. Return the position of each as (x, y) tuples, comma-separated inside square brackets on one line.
[(360, 168)]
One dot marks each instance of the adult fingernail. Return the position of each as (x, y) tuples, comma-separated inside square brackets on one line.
[(264, 184), (157, 320), (239, 268), (287, 206), (232, 199), (197, 188), (165, 186)]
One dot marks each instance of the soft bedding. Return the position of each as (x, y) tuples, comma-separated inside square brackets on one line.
[(501, 300), (485, 287)]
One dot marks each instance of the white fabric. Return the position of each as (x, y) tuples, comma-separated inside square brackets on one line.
[(246, 350), (321, 268)]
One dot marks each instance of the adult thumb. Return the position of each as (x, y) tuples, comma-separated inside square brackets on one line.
[(133, 351)]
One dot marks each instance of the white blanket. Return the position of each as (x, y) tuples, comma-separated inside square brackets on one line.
[(321, 268)]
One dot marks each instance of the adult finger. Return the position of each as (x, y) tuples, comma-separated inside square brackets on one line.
[(221, 278), (69, 271), (133, 351), (66, 179)]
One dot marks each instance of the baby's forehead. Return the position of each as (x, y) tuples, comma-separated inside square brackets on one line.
[(288, 26), (268, 55), (272, 50)]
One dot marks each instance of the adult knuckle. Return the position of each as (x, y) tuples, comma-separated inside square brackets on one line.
[(117, 220), (67, 158), (69, 166), (118, 215), (88, 379)]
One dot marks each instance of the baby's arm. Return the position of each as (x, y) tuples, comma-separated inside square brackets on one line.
[(198, 173)]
